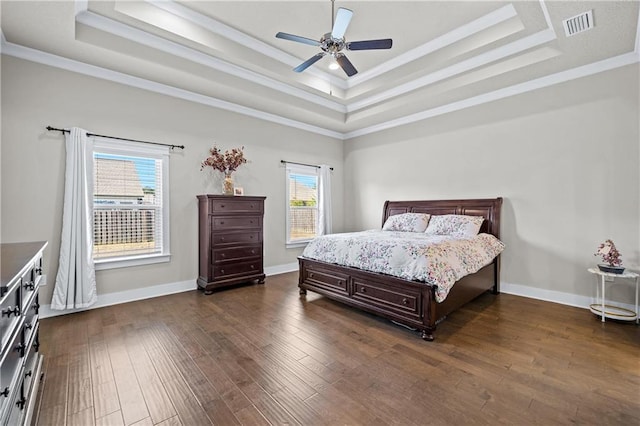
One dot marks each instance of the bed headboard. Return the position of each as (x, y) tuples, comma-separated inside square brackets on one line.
[(489, 208)]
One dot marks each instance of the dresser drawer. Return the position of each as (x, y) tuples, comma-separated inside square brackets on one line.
[(237, 237), (223, 223), (236, 253), (10, 312), (245, 268), (395, 300), (31, 318), (236, 205), (30, 283), (327, 280), (31, 363), (11, 369)]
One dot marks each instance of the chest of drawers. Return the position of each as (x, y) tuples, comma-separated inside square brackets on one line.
[(230, 240), (20, 359)]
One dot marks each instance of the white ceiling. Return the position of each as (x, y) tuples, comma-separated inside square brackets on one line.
[(446, 55)]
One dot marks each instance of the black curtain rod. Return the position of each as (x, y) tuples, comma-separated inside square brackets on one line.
[(121, 139), (302, 164)]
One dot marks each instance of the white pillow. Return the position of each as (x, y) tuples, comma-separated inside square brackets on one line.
[(455, 225), (407, 222)]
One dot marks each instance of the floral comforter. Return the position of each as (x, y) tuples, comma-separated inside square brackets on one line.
[(439, 260)]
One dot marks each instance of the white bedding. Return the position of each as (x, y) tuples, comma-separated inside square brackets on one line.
[(415, 256)]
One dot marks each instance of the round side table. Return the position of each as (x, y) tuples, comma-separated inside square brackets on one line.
[(610, 311)]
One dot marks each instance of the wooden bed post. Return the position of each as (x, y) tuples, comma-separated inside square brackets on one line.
[(428, 313)]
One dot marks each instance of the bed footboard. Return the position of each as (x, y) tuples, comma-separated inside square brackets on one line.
[(406, 302)]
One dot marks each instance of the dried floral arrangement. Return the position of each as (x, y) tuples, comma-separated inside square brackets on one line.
[(609, 253), (226, 162)]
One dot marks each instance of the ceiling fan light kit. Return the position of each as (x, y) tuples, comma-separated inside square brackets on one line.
[(334, 42)]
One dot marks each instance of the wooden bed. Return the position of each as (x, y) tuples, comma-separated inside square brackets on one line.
[(411, 303)]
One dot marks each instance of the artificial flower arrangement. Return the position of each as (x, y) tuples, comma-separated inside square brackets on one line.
[(609, 254), (226, 162)]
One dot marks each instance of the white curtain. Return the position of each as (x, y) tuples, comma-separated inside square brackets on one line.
[(76, 281), (324, 206)]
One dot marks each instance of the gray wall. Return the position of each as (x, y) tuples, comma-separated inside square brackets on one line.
[(32, 177), (565, 159)]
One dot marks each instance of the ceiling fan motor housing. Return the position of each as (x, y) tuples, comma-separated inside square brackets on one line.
[(331, 45)]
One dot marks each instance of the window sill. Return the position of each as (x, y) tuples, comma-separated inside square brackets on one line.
[(298, 244), (130, 261)]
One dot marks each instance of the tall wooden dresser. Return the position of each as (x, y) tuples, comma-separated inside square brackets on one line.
[(230, 246), (21, 361)]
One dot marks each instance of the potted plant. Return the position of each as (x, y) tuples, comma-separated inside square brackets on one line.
[(226, 162), (609, 254)]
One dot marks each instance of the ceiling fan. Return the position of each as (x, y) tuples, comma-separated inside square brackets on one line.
[(334, 42)]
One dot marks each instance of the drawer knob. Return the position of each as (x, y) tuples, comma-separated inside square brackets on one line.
[(253, 267), (39, 271), (222, 222), (36, 345), (253, 252), (28, 373), (28, 326), (222, 271), (363, 289), (224, 255), (5, 392), (310, 274), (405, 301), (29, 286), (221, 238), (251, 237), (250, 206), (222, 206), (18, 348), (36, 307), (251, 221), (8, 312), (340, 282), (20, 403)]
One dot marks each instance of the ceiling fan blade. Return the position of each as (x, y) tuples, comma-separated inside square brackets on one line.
[(306, 64), (299, 39), (385, 43), (343, 17), (346, 65)]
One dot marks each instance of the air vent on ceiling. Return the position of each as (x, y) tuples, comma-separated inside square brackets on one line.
[(578, 23)]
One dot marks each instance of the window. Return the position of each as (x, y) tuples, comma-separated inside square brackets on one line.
[(302, 204), (130, 204)]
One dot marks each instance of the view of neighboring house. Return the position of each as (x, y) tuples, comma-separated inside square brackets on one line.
[(121, 223), (107, 188)]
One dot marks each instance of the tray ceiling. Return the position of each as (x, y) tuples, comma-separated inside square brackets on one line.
[(446, 55)]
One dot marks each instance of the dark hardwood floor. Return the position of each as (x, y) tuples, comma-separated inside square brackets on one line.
[(262, 355)]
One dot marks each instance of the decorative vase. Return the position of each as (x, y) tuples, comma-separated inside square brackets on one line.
[(227, 184), (611, 269)]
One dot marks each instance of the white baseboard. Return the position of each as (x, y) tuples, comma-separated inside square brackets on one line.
[(132, 295), (118, 297), (554, 296), (281, 269), (179, 287)]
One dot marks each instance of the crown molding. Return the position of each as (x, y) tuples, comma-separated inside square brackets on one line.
[(494, 55), (55, 61), (102, 23), (119, 29), (547, 17), (49, 59), (230, 33), (467, 30), (517, 89), (37, 56)]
